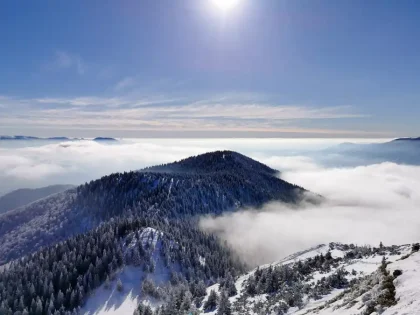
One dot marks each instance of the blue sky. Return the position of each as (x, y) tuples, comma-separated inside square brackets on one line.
[(162, 68)]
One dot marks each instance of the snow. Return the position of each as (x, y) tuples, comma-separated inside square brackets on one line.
[(216, 288), (202, 260), (335, 253), (4, 267), (342, 301), (303, 255), (112, 302), (170, 187), (150, 236), (407, 286)]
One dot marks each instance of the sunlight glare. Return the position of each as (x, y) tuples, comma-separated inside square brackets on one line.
[(226, 5)]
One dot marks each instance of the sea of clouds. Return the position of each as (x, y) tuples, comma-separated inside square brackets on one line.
[(364, 204), (32, 164)]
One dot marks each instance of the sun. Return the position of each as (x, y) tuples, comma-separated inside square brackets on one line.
[(226, 5)]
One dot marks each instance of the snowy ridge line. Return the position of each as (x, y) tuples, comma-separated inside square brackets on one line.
[(339, 279)]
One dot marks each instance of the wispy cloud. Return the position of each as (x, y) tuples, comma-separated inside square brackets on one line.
[(125, 83), (66, 60), (157, 112)]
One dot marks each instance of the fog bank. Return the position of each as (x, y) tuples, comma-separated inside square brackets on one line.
[(365, 205), (33, 164)]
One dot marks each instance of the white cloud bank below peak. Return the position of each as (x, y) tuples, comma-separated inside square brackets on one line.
[(365, 205)]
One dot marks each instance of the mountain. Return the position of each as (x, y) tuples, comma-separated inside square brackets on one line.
[(401, 151), (329, 279), (22, 197), (18, 138), (100, 268), (208, 184), (129, 267), (130, 244), (32, 138), (220, 161)]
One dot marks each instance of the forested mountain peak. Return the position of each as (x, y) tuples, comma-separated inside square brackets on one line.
[(218, 161), (211, 183)]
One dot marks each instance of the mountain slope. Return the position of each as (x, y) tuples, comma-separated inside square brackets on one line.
[(22, 197), (211, 183), (117, 258), (219, 161), (335, 279)]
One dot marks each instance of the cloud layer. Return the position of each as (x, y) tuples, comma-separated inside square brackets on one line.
[(148, 112), (365, 205), (35, 164)]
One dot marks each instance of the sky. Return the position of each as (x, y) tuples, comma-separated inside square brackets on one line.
[(172, 68)]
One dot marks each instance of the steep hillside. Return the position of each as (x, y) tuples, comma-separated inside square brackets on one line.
[(334, 279), (157, 267), (106, 269), (210, 183), (22, 197)]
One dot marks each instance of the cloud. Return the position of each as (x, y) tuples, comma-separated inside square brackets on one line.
[(84, 101), (45, 163), (40, 163), (125, 83), (162, 113), (365, 205), (65, 60)]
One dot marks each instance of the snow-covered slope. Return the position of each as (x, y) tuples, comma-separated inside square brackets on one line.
[(112, 298), (332, 279), (366, 296), (326, 279)]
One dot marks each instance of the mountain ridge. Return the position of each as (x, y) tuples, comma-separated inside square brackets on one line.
[(212, 162), (24, 196), (151, 194)]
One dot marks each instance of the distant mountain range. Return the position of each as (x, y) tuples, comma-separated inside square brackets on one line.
[(29, 138), (401, 151), (22, 197)]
